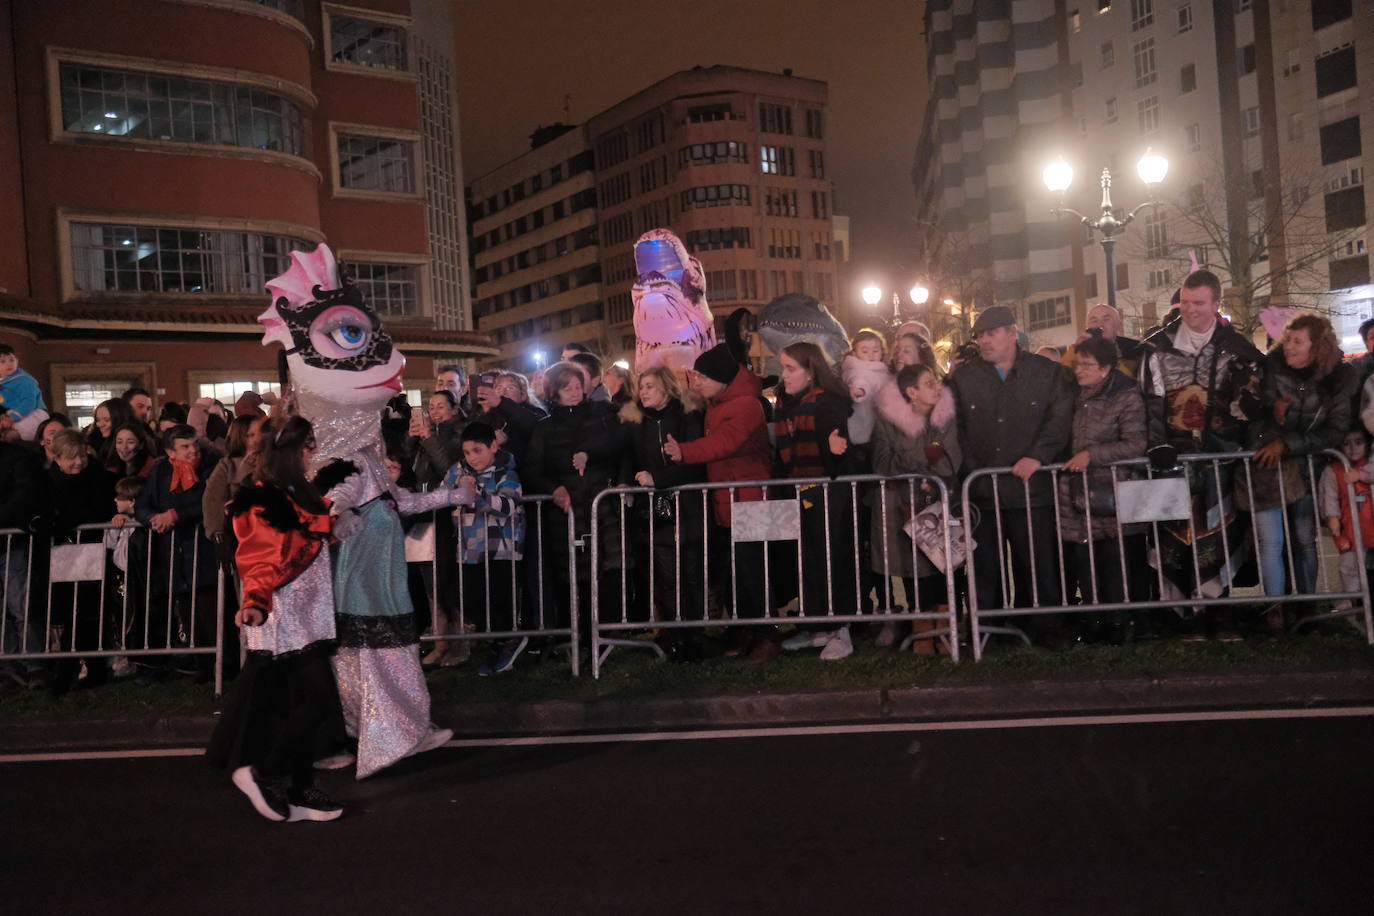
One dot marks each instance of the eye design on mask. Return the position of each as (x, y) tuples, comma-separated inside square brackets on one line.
[(341, 332)]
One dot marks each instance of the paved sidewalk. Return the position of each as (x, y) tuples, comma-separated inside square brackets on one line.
[(1134, 694)]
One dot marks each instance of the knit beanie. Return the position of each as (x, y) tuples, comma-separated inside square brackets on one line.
[(718, 364)]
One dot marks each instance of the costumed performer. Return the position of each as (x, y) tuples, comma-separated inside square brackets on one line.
[(672, 319), (344, 369)]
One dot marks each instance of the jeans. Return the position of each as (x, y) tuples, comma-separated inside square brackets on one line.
[(1302, 526)]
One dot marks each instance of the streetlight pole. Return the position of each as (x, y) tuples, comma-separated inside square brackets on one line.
[(1152, 168)]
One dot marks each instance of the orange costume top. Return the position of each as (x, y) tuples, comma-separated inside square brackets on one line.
[(277, 541)]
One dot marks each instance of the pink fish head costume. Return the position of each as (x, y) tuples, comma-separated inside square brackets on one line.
[(672, 319)]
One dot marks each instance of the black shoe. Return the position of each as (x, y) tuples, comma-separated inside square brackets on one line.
[(267, 798), (312, 805)]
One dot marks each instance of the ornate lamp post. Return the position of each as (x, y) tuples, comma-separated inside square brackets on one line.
[(1058, 175)]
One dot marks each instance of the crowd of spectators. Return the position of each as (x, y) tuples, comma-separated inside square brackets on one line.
[(1192, 386)]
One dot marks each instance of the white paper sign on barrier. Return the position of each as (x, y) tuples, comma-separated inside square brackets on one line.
[(1164, 499), (770, 520), (420, 543), (77, 562)]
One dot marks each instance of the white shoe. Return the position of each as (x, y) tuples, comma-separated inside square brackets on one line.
[(436, 738), (806, 639), (886, 636), (839, 646)]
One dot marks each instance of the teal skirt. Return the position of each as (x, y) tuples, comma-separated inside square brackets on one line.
[(370, 598)]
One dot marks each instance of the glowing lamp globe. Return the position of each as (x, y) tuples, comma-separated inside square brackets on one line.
[(871, 294), (1152, 167), (1058, 176), (919, 294)]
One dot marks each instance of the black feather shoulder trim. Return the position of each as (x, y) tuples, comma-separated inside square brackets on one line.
[(333, 474), (277, 508)]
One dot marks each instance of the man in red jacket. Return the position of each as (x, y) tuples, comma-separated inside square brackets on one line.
[(734, 448)]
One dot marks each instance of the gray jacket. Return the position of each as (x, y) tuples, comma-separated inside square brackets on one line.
[(1109, 422)]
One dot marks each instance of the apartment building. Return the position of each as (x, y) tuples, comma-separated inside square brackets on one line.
[(161, 158), (732, 160)]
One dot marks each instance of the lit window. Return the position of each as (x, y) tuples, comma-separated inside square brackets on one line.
[(156, 259), (156, 106), (376, 164), (367, 44)]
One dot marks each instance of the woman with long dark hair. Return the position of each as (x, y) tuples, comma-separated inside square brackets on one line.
[(285, 695), (809, 436), (130, 451), (108, 416)]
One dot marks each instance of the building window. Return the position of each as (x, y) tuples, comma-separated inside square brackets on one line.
[(127, 103), (1156, 279), (820, 205), (815, 124), (1108, 55), (816, 159), (1147, 114), (113, 258), (1047, 313), (775, 119), (1245, 60), (1185, 17), (367, 43), (369, 163), (1156, 234), (777, 160), (712, 153), (715, 239), (1075, 21), (1345, 209), (701, 114), (1348, 272), (1335, 71), (1329, 12), (716, 195), (392, 289), (1090, 286), (1143, 56), (784, 243), (1187, 79), (1111, 110), (1341, 141), (1142, 14), (780, 202), (1250, 121), (1123, 276)]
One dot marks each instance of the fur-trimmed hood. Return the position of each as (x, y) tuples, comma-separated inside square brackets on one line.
[(691, 402), (894, 408)]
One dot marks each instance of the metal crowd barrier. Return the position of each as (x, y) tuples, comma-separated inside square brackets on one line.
[(533, 581), (774, 517), (71, 604), (1217, 471)]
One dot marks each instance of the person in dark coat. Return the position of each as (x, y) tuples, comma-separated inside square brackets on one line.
[(1015, 410), (1304, 401), (171, 504), (23, 505), (505, 410), (82, 493), (810, 436), (1108, 426), (574, 454), (1199, 378), (667, 530)]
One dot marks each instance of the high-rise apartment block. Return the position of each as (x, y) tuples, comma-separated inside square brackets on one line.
[(162, 158), (732, 160), (1256, 105)]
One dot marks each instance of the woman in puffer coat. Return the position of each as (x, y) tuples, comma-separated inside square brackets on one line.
[(1108, 426), (665, 530), (915, 432), (1305, 398), (575, 453)]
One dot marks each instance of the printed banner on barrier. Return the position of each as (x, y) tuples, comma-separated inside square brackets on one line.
[(77, 562), (1164, 499), (771, 520)]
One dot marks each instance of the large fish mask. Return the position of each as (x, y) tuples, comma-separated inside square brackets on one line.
[(336, 347), (672, 319)]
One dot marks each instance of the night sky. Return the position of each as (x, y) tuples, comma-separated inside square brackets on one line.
[(519, 58)]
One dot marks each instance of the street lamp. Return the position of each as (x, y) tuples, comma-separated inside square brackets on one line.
[(1058, 175), (871, 294), (919, 294)]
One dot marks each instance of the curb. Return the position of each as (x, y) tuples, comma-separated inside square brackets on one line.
[(888, 704)]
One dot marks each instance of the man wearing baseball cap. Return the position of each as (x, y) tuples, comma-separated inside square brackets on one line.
[(1015, 410)]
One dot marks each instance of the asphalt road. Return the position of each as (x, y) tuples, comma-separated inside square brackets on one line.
[(1245, 817)]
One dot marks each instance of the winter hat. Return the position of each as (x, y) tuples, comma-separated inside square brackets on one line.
[(718, 364)]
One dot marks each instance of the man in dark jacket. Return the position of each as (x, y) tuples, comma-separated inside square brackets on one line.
[(1015, 410), (1199, 378), (170, 504), (23, 492)]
